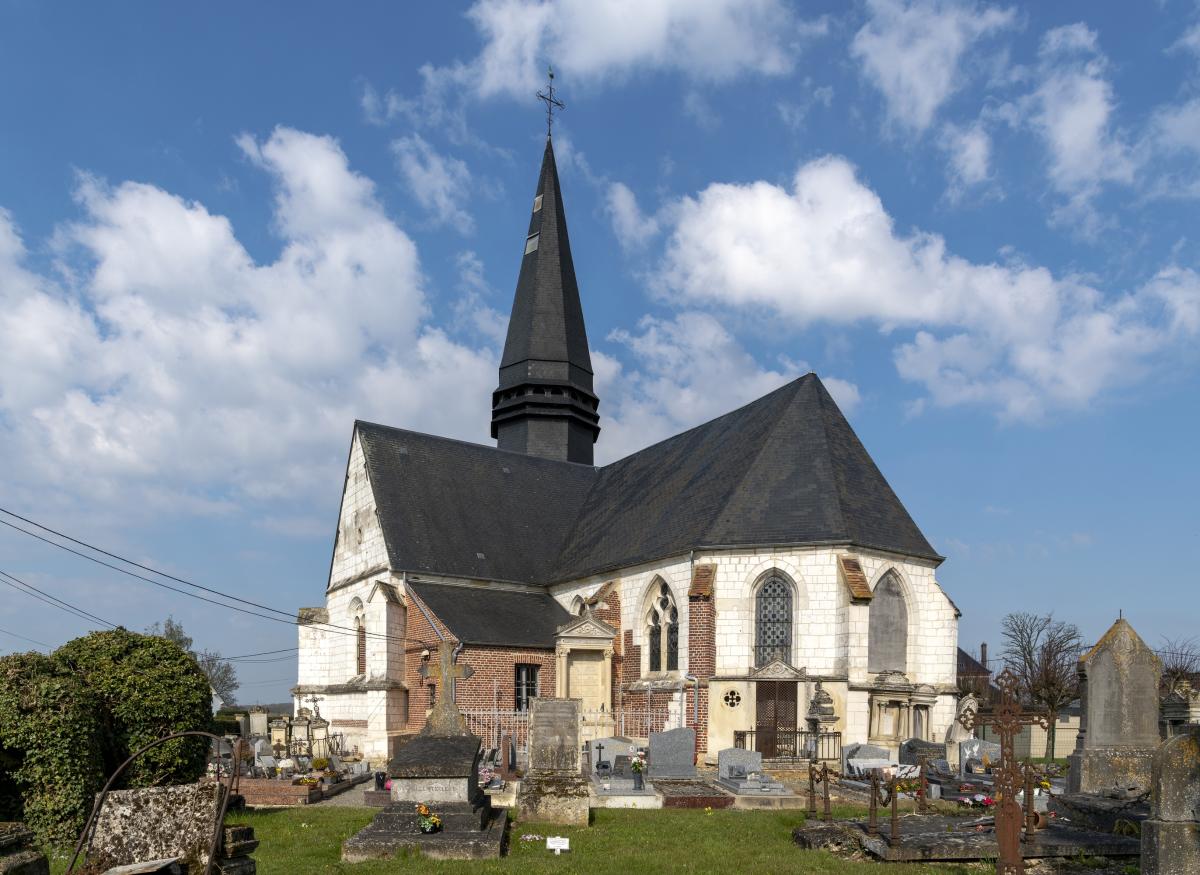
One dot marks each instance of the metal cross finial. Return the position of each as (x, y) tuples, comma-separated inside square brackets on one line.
[(550, 100)]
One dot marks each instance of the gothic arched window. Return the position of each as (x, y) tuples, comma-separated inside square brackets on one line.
[(773, 621), (662, 630), (887, 628)]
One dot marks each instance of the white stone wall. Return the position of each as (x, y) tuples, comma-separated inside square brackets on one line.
[(830, 635), (359, 548)]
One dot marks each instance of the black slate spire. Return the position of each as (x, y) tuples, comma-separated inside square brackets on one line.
[(544, 405)]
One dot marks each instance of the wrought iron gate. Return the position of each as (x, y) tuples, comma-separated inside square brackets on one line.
[(775, 715)]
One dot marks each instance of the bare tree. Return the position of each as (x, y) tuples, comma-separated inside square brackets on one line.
[(1181, 662), (1044, 654), (222, 676)]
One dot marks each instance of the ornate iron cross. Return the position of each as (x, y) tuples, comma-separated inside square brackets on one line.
[(1007, 719), (550, 100), (314, 699)]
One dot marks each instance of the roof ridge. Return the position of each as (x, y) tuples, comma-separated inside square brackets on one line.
[(822, 395), (465, 443)]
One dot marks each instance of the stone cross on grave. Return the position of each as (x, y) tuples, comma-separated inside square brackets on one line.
[(445, 718), (1007, 719)]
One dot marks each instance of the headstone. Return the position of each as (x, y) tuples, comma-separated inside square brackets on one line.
[(160, 823), (508, 759), (860, 751), (672, 754), (607, 749), (19, 854), (1118, 729), (976, 750), (740, 771), (554, 789), (862, 768), (259, 720), (912, 750), (1171, 837), (436, 768), (623, 766), (243, 723)]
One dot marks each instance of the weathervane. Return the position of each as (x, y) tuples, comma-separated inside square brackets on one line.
[(550, 99)]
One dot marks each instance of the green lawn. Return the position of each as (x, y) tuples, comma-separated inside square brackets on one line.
[(297, 841)]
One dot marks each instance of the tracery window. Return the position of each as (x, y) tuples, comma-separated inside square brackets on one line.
[(773, 621), (662, 630)]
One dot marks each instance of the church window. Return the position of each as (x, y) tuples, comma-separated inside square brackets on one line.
[(887, 628), (662, 630), (362, 647), (531, 243), (733, 698), (525, 685), (773, 621), (432, 695)]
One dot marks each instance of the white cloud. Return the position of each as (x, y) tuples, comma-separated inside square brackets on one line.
[(441, 184), (912, 52), (1012, 337), (687, 370), (380, 109), (699, 110), (970, 152), (634, 229), (794, 112), (1072, 110), (176, 372)]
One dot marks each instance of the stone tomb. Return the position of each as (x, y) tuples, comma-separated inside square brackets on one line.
[(610, 761), (1118, 729), (740, 771), (672, 754), (974, 755), (912, 750), (168, 823), (554, 789), (18, 851), (864, 752), (436, 768), (1171, 836), (606, 750)]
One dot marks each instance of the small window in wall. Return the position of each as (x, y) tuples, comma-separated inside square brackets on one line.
[(432, 695), (531, 243), (525, 685), (537, 203), (362, 648)]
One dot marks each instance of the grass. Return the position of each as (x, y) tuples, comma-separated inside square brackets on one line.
[(299, 841)]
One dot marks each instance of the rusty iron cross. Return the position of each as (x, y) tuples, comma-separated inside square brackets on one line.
[(1006, 718), (550, 100)]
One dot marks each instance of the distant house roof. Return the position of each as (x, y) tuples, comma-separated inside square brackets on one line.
[(483, 615), (786, 469), (969, 666)]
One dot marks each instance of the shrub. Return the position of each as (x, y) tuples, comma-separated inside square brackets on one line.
[(148, 687), (50, 726)]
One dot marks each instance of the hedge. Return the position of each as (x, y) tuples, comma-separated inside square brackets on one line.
[(68, 720)]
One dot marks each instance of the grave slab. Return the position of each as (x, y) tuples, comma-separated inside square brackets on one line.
[(672, 754), (468, 832)]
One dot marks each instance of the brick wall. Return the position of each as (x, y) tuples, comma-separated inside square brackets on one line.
[(608, 609)]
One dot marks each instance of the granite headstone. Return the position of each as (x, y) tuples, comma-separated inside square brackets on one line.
[(1171, 836), (672, 754)]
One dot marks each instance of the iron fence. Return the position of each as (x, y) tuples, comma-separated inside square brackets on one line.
[(783, 745), (492, 724)]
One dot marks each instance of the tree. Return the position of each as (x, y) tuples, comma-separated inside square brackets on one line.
[(1181, 662), (222, 676), (1044, 654)]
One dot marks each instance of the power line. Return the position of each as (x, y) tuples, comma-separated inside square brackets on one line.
[(263, 653), (23, 638), (40, 595), (291, 621)]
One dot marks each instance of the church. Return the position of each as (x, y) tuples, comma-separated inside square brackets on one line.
[(754, 577)]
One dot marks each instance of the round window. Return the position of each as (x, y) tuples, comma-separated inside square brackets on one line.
[(733, 698)]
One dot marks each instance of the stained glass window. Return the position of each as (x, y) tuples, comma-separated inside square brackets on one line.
[(662, 627), (773, 627)]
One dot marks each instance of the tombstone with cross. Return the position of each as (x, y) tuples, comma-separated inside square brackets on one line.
[(1007, 719), (445, 718)]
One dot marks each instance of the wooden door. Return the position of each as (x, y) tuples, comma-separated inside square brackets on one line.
[(775, 717)]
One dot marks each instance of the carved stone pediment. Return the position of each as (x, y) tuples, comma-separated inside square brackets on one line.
[(892, 680), (778, 670), (585, 627)]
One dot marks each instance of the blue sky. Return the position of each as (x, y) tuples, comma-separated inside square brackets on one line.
[(227, 232)]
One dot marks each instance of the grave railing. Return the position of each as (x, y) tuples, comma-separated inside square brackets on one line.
[(790, 745), (492, 724)]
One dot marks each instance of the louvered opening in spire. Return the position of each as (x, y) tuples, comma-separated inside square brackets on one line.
[(544, 404)]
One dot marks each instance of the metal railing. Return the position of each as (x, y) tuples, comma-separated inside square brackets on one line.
[(782, 745), (492, 724)]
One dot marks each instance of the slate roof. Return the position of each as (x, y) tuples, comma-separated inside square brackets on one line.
[(481, 615), (547, 318), (786, 469), (969, 666)]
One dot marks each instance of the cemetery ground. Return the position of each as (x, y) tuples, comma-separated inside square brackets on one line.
[(308, 840)]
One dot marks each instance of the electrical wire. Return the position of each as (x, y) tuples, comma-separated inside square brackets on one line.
[(23, 638), (31, 590)]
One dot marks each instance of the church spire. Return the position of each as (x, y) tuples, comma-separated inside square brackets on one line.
[(544, 404)]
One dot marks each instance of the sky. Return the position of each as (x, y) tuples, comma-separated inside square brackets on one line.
[(227, 231)]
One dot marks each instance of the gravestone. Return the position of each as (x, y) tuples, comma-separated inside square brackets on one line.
[(973, 751), (554, 789), (439, 767), (623, 766), (1118, 728), (912, 750), (1171, 836), (508, 759), (19, 854), (606, 750), (259, 719), (740, 771), (672, 754), (162, 823), (864, 752)]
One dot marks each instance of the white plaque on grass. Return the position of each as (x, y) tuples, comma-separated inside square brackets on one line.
[(558, 844)]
